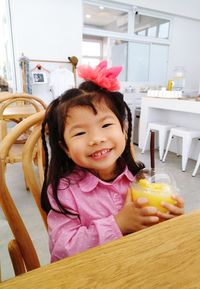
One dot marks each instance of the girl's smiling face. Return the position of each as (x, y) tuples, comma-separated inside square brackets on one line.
[(94, 141)]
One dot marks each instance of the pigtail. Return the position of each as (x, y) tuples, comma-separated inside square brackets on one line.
[(44, 199), (45, 149), (133, 166), (129, 132)]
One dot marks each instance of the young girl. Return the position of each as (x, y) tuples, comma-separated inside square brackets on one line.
[(85, 192)]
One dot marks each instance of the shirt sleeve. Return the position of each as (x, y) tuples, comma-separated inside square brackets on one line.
[(67, 236)]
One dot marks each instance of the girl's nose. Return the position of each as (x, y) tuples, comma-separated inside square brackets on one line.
[(95, 140)]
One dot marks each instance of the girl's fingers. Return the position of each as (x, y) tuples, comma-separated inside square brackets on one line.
[(149, 211), (172, 211), (141, 202), (165, 216), (179, 200), (150, 220), (175, 210)]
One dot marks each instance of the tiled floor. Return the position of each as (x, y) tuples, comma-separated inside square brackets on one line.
[(189, 190)]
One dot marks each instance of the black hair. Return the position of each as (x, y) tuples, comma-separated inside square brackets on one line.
[(60, 165)]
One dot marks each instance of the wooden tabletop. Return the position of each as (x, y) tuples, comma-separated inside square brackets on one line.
[(161, 257), (18, 111)]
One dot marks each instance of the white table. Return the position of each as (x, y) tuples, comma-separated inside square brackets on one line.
[(182, 112)]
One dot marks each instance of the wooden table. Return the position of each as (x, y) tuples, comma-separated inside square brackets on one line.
[(161, 257)]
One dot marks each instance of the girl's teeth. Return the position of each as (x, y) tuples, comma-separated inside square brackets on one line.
[(100, 153)]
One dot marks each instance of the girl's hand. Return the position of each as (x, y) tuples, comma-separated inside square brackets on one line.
[(134, 217), (173, 210)]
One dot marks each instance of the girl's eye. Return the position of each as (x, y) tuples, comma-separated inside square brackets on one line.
[(107, 124), (79, 133)]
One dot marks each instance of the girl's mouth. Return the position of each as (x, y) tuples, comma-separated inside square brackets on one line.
[(100, 154)]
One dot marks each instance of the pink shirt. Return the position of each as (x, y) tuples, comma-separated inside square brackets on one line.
[(96, 202)]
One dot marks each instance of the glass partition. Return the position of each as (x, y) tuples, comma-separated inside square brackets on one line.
[(119, 56), (142, 62), (138, 61), (151, 26)]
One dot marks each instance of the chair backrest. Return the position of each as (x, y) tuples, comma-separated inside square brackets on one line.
[(7, 95), (17, 226), (35, 105), (29, 158), (4, 94)]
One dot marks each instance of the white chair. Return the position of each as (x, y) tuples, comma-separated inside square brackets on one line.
[(197, 166), (163, 129), (187, 135)]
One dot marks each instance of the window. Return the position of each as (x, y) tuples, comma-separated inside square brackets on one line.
[(124, 35), (142, 32), (138, 63), (151, 26), (91, 51), (152, 31), (119, 52), (142, 62), (163, 30)]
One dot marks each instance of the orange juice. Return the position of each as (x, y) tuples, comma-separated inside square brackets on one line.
[(154, 192)]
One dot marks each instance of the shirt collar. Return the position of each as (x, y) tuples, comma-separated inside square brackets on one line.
[(90, 181)]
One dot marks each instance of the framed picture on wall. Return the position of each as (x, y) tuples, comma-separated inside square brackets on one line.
[(39, 77)]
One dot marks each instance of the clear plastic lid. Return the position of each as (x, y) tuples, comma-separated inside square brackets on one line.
[(158, 182)]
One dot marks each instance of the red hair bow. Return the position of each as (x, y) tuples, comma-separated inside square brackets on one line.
[(101, 75)]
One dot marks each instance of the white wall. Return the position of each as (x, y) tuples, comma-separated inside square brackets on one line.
[(185, 50), (46, 29), (52, 29)]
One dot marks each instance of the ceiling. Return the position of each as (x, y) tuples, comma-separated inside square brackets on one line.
[(100, 16)]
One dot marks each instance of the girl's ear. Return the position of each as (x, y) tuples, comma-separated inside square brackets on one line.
[(64, 148)]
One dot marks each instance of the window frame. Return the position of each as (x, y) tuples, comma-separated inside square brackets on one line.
[(130, 36)]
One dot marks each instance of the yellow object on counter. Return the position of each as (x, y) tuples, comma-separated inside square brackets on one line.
[(154, 192), (170, 85)]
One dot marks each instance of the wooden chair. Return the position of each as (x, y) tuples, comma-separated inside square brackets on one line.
[(23, 111), (21, 249), (20, 100), (7, 95), (28, 160), (17, 99), (4, 93)]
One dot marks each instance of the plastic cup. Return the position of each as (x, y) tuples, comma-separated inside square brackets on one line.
[(157, 189)]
